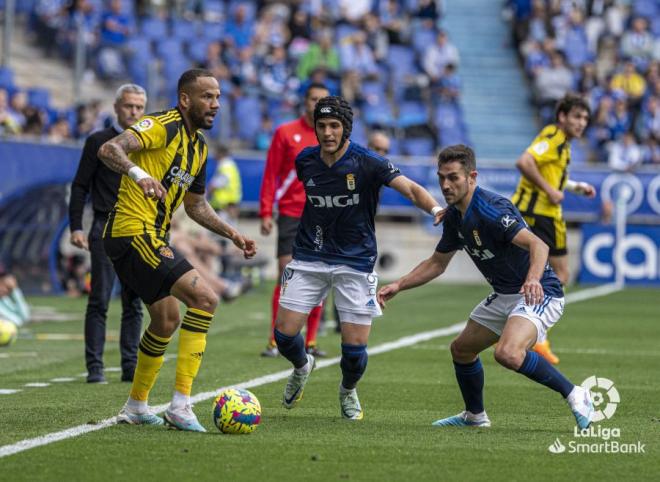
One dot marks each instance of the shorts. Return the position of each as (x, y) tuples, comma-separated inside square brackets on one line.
[(551, 230), (287, 228), (305, 284), (147, 265), (496, 309)]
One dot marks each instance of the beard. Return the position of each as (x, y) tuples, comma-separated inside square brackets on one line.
[(198, 119)]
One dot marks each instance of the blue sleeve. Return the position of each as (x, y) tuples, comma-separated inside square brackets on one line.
[(383, 170), (450, 240), (509, 222)]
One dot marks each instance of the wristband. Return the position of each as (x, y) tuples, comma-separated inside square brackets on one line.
[(571, 186), (137, 174), (435, 210)]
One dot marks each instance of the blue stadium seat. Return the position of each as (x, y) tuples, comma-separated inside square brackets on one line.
[(359, 133), (422, 38), (169, 48), (213, 30), (646, 8), (185, 29), (401, 61), (379, 114), (247, 114), (154, 28), (197, 49), (419, 146), (412, 114), (6, 78), (373, 92), (39, 98), (214, 9)]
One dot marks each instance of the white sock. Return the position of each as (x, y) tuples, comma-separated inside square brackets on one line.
[(137, 406), (179, 400), (476, 417), (304, 369), (343, 390), (574, 393)]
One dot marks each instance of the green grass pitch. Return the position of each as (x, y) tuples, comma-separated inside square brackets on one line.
[(404, 390)]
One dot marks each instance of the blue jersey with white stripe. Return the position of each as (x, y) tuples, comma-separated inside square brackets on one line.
[(486, 232), (337, 224)]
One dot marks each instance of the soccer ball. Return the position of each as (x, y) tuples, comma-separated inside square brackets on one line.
[(8, 333), (236, 411)]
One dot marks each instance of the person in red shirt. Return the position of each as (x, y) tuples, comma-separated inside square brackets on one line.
[(281, 185)]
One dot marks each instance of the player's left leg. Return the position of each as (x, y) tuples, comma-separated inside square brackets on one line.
[(129, 335), (355, 331), (513, 352)]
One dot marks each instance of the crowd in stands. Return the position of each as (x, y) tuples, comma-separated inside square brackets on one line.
[(389, 58), (608, 51)]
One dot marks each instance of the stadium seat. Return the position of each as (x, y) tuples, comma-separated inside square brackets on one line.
[(412, 114), (169, 48), (6, 78), (401, 61), (379, 115), (420, 146), (39, 98), (247, 116), (185, 29), (359, 133), (373, 92), (154, 28), (214, 10), (197, 49), (213, 30), (422, 38)]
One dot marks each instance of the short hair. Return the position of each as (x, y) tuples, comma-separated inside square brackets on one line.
[(190, 76), (129, 89), (458, 153), (570, 102), (315, 85)]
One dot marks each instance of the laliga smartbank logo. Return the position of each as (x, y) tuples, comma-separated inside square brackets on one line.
[(598, 439)]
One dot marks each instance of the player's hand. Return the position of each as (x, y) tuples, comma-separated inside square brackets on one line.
[(587, 190), (79, 240), (556, 196), (386, 293), (439, 217), (532, 291), (247, 245), (152, 189), (266, 225)]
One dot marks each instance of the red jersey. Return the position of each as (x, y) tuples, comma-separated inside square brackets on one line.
[(280, 183)]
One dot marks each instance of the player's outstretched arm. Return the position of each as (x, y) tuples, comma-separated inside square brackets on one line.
[(419, 196), (424, 272), (528, 168), (114, 154), (200, 211), (538, 258)]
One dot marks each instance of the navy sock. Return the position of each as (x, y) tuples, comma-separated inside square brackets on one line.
[(470, 377), (540, 370), (353, 364), (292, 348)]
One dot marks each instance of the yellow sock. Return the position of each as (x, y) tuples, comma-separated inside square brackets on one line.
[(192, 342), (150, 359)]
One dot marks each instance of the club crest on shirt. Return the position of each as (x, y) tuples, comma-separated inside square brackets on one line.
[(143, 125), (350, 182), (477, 239), (508, 221), (166, 252)]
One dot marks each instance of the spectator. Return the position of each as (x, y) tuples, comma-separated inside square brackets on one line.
[(631, 83), (18, 107), (395, 22), (225, 187), (552, 83), (438, 55), (625, 154), (450, 84), (239, 28), (59, 131), (638, 43), (274, 72), (265, 133), (376, 37), (320, 54), (9, 125), (115, 26), (13, 306), (620, 119)]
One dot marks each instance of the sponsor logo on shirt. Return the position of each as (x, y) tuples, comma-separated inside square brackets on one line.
[(477, 239), (180, 177), (341, 201), (508, 221), (310, 183)]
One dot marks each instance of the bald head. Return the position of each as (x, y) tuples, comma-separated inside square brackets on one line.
[(379, 142)]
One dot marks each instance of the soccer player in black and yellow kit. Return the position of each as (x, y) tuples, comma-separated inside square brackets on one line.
[(163, 158), (544, 169)]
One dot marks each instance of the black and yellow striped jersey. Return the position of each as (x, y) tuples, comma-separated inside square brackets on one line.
[(552, 153), (169, 154)]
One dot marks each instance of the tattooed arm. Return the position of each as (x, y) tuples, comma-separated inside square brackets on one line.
[(200, 211), (114, 154)]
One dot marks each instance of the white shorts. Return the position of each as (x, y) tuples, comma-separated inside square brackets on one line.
[(496, 309), (305, 284)]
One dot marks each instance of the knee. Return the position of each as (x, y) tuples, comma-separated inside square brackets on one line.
[(460, 354), (206, 300), (509, 357)]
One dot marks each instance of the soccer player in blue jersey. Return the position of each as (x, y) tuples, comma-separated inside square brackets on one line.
[(335, 247), (527, 298)]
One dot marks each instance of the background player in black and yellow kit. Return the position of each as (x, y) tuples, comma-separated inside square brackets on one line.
[(164, 159), (540, 192)]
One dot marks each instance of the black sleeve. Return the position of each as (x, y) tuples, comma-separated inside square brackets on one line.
[(82, 183), (198, 186)]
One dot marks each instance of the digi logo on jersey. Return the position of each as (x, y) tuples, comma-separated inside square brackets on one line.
[(180, 177), (341, 201), (637, 256)]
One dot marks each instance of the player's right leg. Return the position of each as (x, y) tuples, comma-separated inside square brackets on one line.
[(465, 351), (164, 315), (304, 285), (271, 349)]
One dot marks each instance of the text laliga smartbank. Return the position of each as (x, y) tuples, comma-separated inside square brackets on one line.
[(606, 443)]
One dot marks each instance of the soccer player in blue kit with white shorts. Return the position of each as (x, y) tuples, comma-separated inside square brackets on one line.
[(335, 247), (527, 300)]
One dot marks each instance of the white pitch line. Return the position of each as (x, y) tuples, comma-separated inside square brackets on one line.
[(28, 444), (9, 391), (37, 384)]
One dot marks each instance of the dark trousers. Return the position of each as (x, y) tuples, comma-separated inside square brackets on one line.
[(103, 278)]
